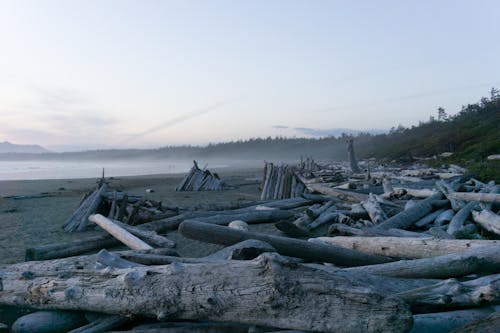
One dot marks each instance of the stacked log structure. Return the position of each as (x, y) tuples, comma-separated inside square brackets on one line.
[(200, 180)]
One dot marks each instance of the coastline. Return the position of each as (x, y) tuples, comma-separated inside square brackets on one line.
[(37, 221)]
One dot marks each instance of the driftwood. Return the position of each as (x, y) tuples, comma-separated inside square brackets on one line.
[(148, 236), (482, 197), (68, 249), (87, 207), (429, 218), (280, 182), (480, 260), (488, 220), (408, 217), (457, 222), (287, 246), (444, 217), (103, 324), (443, 322), (250, 217), (351, 157), (200, 180), (267, 291), (119, 233), (372, 206), (343, 229), (453, 294), (411, 248)]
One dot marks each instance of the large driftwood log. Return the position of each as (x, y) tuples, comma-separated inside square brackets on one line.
[(411, 248), (488, 220), (444, 322), (453, 294), (372, 206), (119, 233), (406, 218), (457, 222), (151, 237), (480, 260), (342, 229), (267, 291), (250, 217), (483, 197), (490, 324), (287, 246)]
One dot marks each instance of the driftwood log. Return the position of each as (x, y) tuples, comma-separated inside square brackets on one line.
[(488, 220), (482, 197), (216, 234), (267, 291), (411, 248)]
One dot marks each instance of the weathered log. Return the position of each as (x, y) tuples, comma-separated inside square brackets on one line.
[(92, 207), (150, 237), (250, 217), (489, 324), (438, 232), (326, 217), (287, 246), (123, 208), (457, 222), (408, 217), (488, 220), (103, 324), (190, 327), (68, 249), (342, 229), (119, 233), (444, 322), (448, 191), (429, 218), (267, 292), (484, 259), (73, 221), (316, 210), (372, 206), (444, 217), (478, 197), (48, 322), (351, 157), (110, 259), (411, 248), (453, 294)]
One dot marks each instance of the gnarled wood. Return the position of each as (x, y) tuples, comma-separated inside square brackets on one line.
[(267, 291)]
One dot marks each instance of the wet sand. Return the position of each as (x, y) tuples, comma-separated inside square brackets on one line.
[(29, 222)]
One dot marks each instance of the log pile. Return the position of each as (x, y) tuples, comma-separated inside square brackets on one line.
[(405, 256), (280, 182), (200, 180)]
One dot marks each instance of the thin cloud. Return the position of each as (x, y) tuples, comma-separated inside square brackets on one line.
[(280, 127)]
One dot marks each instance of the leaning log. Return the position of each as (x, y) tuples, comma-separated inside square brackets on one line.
[(406, 218), (267, 292), (216, 234), (411, 248), (480, 260), (119, 233)]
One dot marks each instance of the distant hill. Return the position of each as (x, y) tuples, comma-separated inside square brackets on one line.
[(7, 147)]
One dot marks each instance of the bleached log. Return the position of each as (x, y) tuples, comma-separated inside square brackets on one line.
[(411, 248), (150, 237), (457, 222), (488, 220), (485, 259), (429, 218), (453, 294), (216, 234), (267, 292), (478, 197), (372, 206), (408, 217), (444, 217), (119, 233)]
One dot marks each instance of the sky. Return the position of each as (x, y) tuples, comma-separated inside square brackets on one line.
[(100, 73)]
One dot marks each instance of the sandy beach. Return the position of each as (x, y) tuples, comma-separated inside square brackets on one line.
[(36, 221)]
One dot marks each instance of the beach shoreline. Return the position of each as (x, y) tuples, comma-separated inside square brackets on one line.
[(38, 220)]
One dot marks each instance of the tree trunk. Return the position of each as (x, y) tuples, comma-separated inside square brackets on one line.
[(444, 322), (287, 246), (351, 157), (457, 222), (265, 291), (372, 206), (490, 324), (411, 248), (484, 259)]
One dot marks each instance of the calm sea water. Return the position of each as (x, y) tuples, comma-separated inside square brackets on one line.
[(17, 170)]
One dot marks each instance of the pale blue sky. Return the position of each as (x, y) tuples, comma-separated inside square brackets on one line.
[(154, 73)]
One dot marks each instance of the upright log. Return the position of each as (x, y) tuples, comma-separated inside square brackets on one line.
[(351, 157), (267, 292)]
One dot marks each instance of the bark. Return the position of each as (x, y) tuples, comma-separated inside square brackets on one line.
[(286, 246), (480, 260), (488, 220), (453, 294), (443, 322), (267, 292), (119, 233), (408, 217), (411, 248)]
